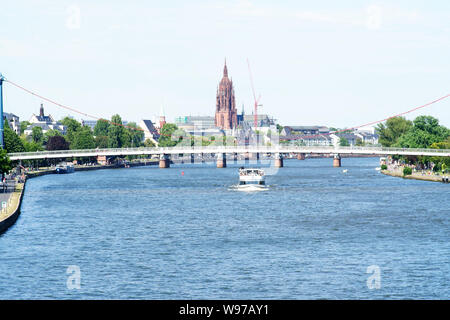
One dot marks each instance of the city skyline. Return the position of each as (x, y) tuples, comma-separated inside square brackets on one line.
[(140, 170), (344, 67)]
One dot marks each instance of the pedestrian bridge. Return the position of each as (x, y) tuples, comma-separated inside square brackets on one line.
[(224, 150)]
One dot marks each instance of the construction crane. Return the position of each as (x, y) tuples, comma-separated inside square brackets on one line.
[(254, 97)]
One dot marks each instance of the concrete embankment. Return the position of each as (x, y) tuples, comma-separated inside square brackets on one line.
[(416, 176), (9, 216)]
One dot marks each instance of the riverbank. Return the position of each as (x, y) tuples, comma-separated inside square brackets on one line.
[(415, 175), (50, 170), (9, 216)]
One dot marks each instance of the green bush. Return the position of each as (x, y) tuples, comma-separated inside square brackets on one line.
[(407, 171), (383, 167)]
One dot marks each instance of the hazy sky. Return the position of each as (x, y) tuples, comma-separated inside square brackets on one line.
[(337, 63)]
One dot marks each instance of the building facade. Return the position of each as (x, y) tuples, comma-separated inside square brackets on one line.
[(45, 122), (367, 137), (89, 123), (13, 121), (150, 131), (262, 120), (226, 115), (306, 130), (195, 122)]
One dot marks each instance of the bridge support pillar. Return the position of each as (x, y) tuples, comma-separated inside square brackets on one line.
[(337, 160), (164, 161), (221, 160), (192, 158), (278, 160), (300, 156), (246, 157)]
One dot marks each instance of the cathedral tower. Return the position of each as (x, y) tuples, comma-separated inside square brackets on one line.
[(226, 115)]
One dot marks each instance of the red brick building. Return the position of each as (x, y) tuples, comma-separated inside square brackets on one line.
[(226, 115)]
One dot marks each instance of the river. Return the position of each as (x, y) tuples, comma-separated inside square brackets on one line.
[(185, 233)]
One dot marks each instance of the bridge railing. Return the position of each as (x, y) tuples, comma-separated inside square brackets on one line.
[(225, 149)]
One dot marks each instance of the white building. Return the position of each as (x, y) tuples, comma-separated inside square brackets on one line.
[(367, 137), (45, 122), (150, 131), (13, 121)]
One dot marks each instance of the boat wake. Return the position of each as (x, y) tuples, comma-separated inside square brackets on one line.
[(249, 188)]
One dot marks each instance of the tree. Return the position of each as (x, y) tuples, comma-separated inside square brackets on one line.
[(394, 128), (5, 162), (84, 139), (57, 142), (359, 142), (101, 142), (12, 142), (149, 143), (31, 146), (72, 126), (425, 131), (23, 126), (101, 128), (51, 133), (407, 171), (440, 162), (343, 142), (168, 138), (37, 135), (116, 132), (134, 135), (441, 145), (279, 128)]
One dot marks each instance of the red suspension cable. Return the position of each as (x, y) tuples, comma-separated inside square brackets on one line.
[(334, 132)]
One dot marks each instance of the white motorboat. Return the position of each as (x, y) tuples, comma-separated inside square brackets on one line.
[(251, 177)]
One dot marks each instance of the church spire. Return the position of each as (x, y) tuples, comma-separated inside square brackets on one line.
[(225, 70)]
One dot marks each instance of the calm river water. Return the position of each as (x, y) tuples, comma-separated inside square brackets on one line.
[(157, 234)]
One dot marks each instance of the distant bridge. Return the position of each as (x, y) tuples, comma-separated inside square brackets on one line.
[(222, 151)]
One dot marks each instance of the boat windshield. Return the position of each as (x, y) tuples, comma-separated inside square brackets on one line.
[(251, 172)]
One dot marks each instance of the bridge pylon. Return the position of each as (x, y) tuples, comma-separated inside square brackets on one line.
[(164, 161), (221, 160), (246, 158), (336, 160), (278, 160)]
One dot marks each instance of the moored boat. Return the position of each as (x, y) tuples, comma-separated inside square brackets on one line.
[(64, 167)]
